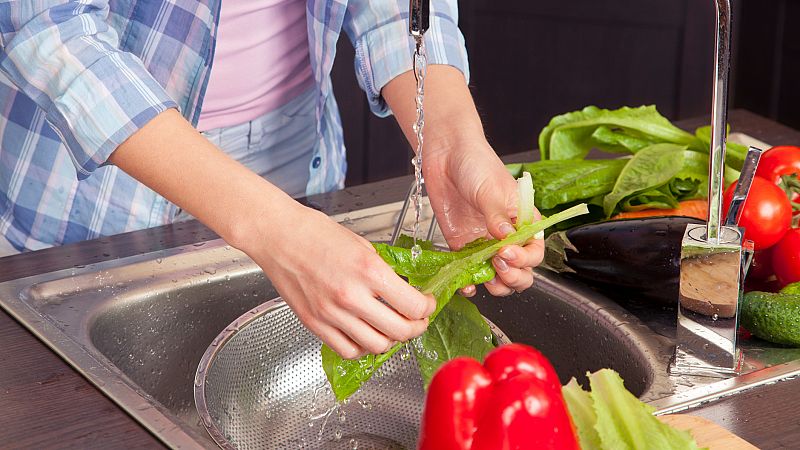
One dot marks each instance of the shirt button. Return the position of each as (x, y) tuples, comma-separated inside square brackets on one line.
[(316, 162)]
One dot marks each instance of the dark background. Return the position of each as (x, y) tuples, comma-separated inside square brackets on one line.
[(531, 60)]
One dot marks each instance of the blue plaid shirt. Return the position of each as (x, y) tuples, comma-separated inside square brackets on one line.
[(78, 77)]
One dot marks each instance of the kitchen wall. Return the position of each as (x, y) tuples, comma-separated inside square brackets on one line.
[(531, 60)]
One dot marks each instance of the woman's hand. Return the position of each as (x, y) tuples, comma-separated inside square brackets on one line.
[(472, 193), (337, 284), (474, 196), (329, 276)]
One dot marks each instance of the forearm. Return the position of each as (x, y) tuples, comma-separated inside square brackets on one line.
[(173, 159), (450, 113)]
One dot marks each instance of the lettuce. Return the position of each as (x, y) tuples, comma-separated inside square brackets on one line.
[(437, 273), (611, 418)]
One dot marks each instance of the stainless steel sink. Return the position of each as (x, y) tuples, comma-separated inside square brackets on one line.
[(137, 327)]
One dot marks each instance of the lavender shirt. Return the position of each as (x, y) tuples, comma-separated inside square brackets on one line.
[(267, 42)]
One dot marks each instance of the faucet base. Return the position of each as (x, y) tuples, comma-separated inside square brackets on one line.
[(710, 289), (684, 363)]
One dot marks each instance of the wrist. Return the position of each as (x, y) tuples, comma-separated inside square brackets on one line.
[(261, 221)]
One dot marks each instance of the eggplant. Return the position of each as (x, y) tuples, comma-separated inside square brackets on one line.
[(628, 256)]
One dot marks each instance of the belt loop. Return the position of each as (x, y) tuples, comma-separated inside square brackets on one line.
[(256, 133)]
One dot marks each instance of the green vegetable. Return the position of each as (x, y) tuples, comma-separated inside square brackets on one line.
[(458, 331), (572, 135), (468, 267), (581, 409), (648, 170), (618, 420), (563, 182), (735, 154), (773, 317)]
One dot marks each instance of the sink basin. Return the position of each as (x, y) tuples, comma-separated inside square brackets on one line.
[(138, 327)]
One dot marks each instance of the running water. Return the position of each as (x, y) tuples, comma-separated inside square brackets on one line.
[(420, 69)]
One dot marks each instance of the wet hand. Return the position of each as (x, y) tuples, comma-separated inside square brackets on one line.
[(339, 288), (474, 196)]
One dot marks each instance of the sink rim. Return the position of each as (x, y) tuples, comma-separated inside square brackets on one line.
[(16, 297)]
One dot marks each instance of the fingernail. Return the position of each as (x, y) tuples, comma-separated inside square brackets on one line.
[(500, 264), (506, 229), (508, 254)]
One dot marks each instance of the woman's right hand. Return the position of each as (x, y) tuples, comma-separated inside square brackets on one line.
[(337, 285)]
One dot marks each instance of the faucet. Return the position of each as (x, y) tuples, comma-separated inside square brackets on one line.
[(714, 256)]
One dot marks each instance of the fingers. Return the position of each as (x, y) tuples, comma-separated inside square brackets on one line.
[(497, 288), (395, 326), (338, 341), (531, 255), (468, 291), (496, 208), (404, 298)]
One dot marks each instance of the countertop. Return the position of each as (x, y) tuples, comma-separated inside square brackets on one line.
[(44, 403)]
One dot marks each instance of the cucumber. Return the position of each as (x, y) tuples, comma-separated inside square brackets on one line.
[(773, 317)]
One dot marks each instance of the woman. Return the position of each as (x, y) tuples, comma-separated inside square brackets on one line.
[(100, 104)]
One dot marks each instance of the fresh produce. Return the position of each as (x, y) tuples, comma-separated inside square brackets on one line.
[(766, 214), (640, 256), (512, 401), (773, 317), (667, 166), (786, 257), (779, 161), (687, 208), (611, 418), (437, 273), (761, 266)]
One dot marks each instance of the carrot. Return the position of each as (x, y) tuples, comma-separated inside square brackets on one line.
[(688, 208)]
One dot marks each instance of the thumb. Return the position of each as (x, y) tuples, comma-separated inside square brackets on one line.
[(498, 205)]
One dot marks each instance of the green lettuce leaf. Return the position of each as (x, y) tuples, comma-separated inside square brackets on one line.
[(470, 267), (458, 331), (648, 170), (581, 409), (735, 154), (572, 135), (563, 182), (624, 422)]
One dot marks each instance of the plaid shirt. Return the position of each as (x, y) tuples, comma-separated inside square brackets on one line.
[(78, 77)]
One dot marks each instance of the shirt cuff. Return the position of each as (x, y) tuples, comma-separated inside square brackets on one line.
[(104, 105), (385, 52)]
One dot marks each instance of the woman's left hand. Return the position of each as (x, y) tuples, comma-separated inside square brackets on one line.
[(473, 196)]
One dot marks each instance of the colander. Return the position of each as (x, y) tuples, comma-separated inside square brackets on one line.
[(260, 385)]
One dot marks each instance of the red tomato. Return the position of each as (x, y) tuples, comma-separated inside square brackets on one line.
[(766, 215), (761, 267), (777, 161), (786, 257)]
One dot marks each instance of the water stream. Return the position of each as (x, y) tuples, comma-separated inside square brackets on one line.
[(420, 70)]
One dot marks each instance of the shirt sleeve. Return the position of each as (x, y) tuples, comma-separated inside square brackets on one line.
[(65, 56), (384, 49)]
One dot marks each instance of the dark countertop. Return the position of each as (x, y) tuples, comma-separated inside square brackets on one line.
[(44, 403)]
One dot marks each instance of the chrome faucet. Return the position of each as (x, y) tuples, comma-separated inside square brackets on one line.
[(714, 256)]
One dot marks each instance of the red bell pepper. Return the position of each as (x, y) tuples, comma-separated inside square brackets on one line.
[(512, 401)]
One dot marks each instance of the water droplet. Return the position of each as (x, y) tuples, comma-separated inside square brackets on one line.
[(715, 316), (159, 260), (338, 434)]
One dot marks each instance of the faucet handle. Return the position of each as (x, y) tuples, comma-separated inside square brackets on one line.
[(743, 186)]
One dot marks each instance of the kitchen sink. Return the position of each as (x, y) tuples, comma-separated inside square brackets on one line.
[(137, 327)]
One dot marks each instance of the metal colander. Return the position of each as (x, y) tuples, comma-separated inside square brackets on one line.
[(260, 385)]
